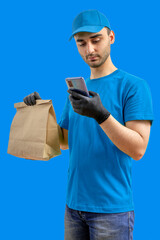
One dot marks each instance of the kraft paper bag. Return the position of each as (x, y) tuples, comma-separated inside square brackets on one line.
[(34, 132)]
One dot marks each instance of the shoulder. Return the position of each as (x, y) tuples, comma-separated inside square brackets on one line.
[(132, 82), (130, 78)]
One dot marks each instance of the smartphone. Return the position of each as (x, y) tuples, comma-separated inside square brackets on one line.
[(78, 85)]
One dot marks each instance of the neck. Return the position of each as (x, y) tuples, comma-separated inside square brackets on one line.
[(104, 70)]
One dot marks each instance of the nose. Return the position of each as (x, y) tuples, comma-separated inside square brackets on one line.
[(89, 48)]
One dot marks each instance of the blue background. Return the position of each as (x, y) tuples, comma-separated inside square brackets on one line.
[(35, 55)]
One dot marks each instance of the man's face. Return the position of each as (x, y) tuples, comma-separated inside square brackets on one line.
[(94, 48)]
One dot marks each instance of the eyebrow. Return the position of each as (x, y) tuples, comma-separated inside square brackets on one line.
[(97, 35)]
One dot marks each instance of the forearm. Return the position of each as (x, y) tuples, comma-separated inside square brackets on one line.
[(62, 142), (127, 140)]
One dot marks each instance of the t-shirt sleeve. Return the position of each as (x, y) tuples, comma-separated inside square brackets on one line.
[(138, 102), (64, 120)]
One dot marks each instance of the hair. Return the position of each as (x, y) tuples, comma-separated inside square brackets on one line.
[(108, 30)]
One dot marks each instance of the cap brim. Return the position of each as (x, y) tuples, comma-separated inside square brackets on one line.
[(87, 29)]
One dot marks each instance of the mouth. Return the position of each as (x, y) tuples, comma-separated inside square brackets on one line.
[(92, 58)]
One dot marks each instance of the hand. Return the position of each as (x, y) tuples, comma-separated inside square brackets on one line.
[(31, 99), (90, 107)]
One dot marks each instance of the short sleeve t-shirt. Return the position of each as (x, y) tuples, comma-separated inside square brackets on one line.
[(100, 174)]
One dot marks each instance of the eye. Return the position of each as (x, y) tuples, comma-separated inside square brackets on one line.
[(83, 44), (95, 41)]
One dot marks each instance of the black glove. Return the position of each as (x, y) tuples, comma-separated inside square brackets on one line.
[(89, 106), (79, 91), (31, 99)]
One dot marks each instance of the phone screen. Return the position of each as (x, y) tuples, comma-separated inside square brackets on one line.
[(78, 84)]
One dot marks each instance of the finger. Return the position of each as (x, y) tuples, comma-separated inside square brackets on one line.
[(93, 93), (75, 101), (25, 100), (33, 100), (72, 98), (36, 94), (30, 99), (75, 94)]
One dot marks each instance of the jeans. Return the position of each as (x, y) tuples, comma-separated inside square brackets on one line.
[(81, 225)]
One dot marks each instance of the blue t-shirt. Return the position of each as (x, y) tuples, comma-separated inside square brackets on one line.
[(99, 174)]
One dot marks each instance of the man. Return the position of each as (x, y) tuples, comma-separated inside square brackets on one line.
[(106, 132)]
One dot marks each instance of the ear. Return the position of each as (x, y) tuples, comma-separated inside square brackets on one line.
[(112, 37)]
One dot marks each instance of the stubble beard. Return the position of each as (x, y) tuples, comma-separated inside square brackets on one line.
[(101, 60)]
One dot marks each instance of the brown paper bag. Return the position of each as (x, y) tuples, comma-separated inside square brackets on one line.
[(34, 131)]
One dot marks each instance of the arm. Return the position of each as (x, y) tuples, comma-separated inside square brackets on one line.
[(131, 139), (63, 138)]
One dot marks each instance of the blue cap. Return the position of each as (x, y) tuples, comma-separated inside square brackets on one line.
[(89, 21)]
